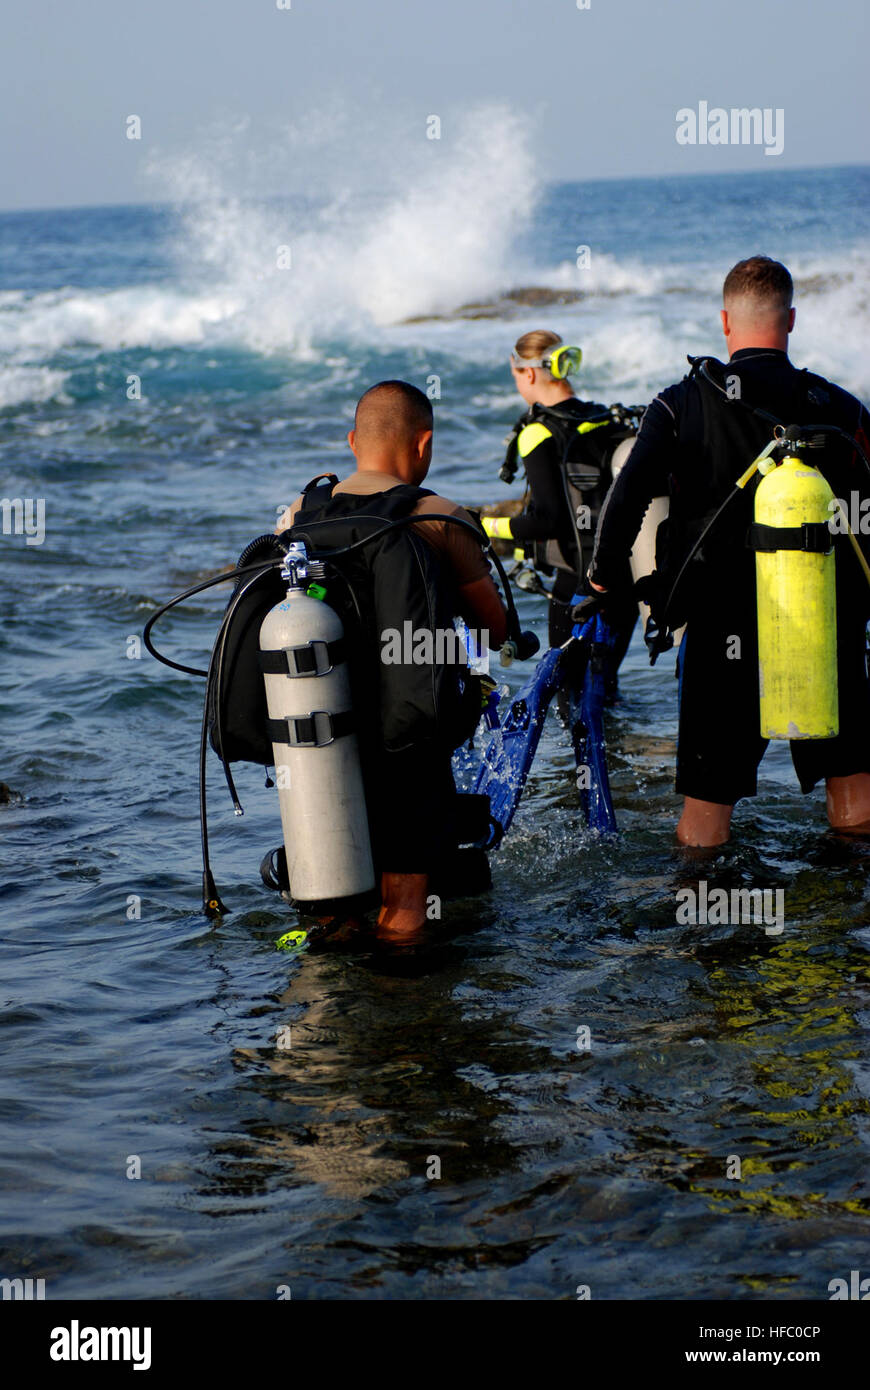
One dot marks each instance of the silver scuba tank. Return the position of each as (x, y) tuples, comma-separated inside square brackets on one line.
[(311, 725)]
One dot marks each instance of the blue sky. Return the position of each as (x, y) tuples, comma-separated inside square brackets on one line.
[(600, 87)]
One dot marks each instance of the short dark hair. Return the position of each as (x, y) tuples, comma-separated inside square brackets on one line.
[(392, 410), (762, 279)]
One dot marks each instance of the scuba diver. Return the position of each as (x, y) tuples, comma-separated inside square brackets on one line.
[(566, 446), (348, 660), (410, 794), (759, 561)]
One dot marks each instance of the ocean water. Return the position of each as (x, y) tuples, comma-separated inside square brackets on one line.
[(132, 1028)]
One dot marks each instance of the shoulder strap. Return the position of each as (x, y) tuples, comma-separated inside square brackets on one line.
[(321, 506), (566, 427), (332, 478), (317, 494)]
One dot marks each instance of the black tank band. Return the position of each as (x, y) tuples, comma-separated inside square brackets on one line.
[(311, 659), (316, 731), (814, 536)]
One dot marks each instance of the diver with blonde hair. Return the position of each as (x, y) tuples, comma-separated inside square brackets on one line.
[(565, 446)]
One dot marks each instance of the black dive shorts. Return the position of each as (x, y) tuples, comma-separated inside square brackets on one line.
[(719, 747), (411, 800)]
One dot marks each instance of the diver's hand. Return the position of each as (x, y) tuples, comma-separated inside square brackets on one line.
[(589, 585), (587, 608)]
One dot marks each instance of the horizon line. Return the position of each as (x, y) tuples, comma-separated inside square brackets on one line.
[(548, 183)]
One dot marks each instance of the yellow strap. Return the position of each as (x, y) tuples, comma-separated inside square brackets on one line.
[(588, 425), (530, 437)]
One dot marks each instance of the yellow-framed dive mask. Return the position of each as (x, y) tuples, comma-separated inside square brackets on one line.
[(562, 362)]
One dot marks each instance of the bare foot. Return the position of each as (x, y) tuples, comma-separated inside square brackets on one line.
[(402, 926), (340, 931)]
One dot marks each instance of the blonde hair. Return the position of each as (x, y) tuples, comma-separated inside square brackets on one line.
[(536, 343)]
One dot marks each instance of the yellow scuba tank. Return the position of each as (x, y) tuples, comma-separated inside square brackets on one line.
[(797, 616)]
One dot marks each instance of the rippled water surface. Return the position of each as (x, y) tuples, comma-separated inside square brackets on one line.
[(164, 1037)]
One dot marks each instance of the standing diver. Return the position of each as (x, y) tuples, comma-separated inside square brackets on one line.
[(410, 792), (565, 445), (696, 441)]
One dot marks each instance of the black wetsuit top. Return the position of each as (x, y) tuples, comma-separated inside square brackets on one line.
[(670, 448)]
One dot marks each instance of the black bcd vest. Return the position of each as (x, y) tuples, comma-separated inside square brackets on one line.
[(584, 467), (395, 585), (734, 433), (380, 587)]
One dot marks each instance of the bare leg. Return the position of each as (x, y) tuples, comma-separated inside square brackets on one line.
[(704, 824), (848, 801), (403, 913)]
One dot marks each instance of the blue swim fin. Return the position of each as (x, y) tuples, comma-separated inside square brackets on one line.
[(509, 753), (587, 726)]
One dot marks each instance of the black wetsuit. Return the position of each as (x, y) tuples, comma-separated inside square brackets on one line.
[(693, 445)]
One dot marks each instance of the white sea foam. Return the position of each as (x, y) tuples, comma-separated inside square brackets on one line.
[(833, 305), (442, 235), (639, 334), (452, 223), (110, 320), (606, 276), (21, 384)]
